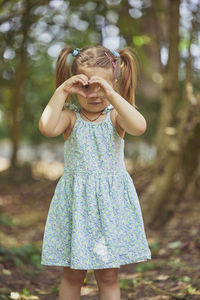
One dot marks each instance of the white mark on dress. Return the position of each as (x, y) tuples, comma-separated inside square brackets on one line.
[(101, 249)]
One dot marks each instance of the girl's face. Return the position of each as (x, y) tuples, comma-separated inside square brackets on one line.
[(85, 102)]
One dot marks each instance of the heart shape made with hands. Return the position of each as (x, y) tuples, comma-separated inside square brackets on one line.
[(90, 90)]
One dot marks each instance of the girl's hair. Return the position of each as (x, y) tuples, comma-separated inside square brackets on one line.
[(94, 56)]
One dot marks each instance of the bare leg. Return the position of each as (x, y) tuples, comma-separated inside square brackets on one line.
[(71, 283), (107, 280)]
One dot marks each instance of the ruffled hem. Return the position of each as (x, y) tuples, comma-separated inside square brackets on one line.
[(122, 261)]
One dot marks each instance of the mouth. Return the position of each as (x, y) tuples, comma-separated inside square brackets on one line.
[(95, 103)]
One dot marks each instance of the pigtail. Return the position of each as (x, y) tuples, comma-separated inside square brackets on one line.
[(62, 67), (128, 75)]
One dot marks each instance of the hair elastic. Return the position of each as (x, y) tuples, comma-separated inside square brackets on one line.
[(76, 51), (115, 53), (114, 64)]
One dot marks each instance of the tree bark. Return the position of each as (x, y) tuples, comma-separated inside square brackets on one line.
[(177, 142), (17, 96), (170, 88)]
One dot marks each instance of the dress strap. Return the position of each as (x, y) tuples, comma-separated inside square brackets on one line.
[(109, 108), (71, 106), (77, 115)]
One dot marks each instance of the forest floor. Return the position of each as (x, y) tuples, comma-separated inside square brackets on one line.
[(172, 273)]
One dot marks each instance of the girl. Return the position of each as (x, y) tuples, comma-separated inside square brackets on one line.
[(94, 219)]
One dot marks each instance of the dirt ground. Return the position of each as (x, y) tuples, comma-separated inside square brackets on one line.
[(172, 273)]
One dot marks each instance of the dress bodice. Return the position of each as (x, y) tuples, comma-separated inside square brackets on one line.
[(94, 147)]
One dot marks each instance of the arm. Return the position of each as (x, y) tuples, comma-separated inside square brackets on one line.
[(54, 119), (127, 117)]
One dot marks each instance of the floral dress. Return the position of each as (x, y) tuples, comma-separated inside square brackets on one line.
[(94, 219)]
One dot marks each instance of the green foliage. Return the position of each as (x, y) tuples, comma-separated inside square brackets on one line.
[(175, 246), (54, 289), (2, 297), (141, 40), (31, 36), (145, 266), (176, 251), (155, 247), (126, 283), (186, 279), (184, 44), (175, 263), (26, 292), (6, 220), (28, 254)]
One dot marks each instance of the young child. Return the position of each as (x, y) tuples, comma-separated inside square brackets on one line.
[(94, 220)]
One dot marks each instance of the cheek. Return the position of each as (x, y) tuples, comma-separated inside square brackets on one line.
[(81, 99)]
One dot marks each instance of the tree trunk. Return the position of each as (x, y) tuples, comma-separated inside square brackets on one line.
[(18, 89), (178, 145), (167, 189), (170, 88), (16, 109)]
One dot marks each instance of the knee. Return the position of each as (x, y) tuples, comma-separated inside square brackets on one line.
[(73, 276), (108, 276)]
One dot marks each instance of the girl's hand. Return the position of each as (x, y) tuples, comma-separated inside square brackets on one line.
[(74, 85), (104, 88)]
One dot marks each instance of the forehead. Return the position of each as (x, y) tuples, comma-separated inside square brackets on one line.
[(97, 71)]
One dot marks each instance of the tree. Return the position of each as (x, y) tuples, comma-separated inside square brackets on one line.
[(178, 145)]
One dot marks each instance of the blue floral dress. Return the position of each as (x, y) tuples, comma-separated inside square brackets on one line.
[(94, 219)]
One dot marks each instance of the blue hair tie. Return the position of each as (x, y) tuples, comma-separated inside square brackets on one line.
[(115, 53), (76, 51)]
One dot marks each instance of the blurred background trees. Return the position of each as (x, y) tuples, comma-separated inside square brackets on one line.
[(165, 35), (163, 162)]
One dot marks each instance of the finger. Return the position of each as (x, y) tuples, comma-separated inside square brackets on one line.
[(80, 80), (96, 81), (92, 80), (84, 78)]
